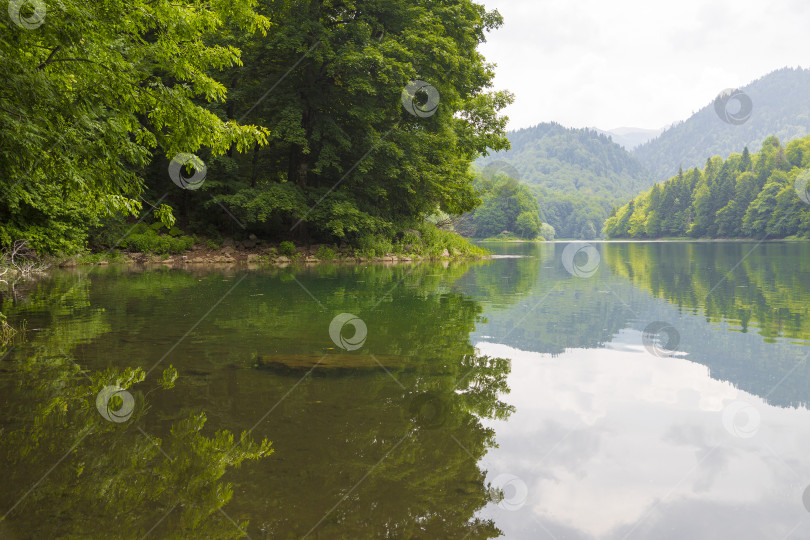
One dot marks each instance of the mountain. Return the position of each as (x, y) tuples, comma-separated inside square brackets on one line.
[(577, 175), (566, 160), (779, 106), (630, 137)]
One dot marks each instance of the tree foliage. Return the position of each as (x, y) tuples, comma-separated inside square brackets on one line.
[(345, 157), (507, 206), (95, 93), (294, 106), (748, 196)]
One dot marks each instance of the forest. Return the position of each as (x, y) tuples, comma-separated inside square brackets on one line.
[(577, 175), (314, 121), (762, 195), (568, 160), (780, 107), (517, 210), (508, 209)]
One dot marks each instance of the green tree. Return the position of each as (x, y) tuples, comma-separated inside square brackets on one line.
[(347, 158), (654, 223), (547, 231), (528, 225), (745, 162), (94, 94), (502, 207)]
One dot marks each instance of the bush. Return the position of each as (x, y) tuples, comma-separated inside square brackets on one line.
[(212, 243), (374, 246), (431, 241), (146, 239), (94, 258), (326, 253), (287, 249), (547, 231), (412, 239)]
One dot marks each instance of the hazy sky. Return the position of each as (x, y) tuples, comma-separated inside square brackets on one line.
[(640, 63)]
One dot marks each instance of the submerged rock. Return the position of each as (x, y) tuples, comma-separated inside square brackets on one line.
[(329, 361)]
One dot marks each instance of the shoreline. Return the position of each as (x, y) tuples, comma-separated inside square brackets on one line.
[(645, 241), (258, 257)]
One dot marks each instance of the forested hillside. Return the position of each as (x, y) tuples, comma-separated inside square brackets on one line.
[(572, 215), (577, 175), (578, 161), (747, 195), (298, 119), (507, 206), (780, 107)]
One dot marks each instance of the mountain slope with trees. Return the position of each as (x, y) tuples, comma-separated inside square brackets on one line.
[(781, 108), (508, 206), (577, 175), (750, 196), (568, 160)]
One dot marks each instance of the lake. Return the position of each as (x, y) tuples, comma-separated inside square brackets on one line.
[(611, 390)]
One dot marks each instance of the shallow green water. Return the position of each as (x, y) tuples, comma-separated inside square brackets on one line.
[(506, 397)]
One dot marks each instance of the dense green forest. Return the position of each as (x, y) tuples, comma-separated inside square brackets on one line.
[(508, 207), (781, 108), (530, 212), (748, 195), (287, 119), (577, 175), (578, 161), (572, 215)]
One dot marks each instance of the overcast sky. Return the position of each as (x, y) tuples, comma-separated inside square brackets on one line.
[(639, 63)]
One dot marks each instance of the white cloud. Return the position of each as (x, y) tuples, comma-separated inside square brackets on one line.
[(636, 62)]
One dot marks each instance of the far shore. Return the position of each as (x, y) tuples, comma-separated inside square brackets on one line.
[(640, 241)]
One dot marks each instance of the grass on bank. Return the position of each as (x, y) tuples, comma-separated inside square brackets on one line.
[(510, 237), (424, 241)]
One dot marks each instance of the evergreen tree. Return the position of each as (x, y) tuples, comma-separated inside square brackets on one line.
[(744, 196), (745, 162)]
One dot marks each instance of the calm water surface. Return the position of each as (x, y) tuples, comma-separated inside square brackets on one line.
[(505, 398)]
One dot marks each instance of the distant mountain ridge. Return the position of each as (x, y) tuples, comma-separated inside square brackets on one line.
[(578, 175), (631, 137), (781, 108), (569, 160)]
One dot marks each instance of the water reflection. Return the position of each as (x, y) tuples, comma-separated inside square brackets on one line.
[(385, 438), (618, 443), (751, 330), (70, 471), (754, 286), (615, 442), (410, 430)]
